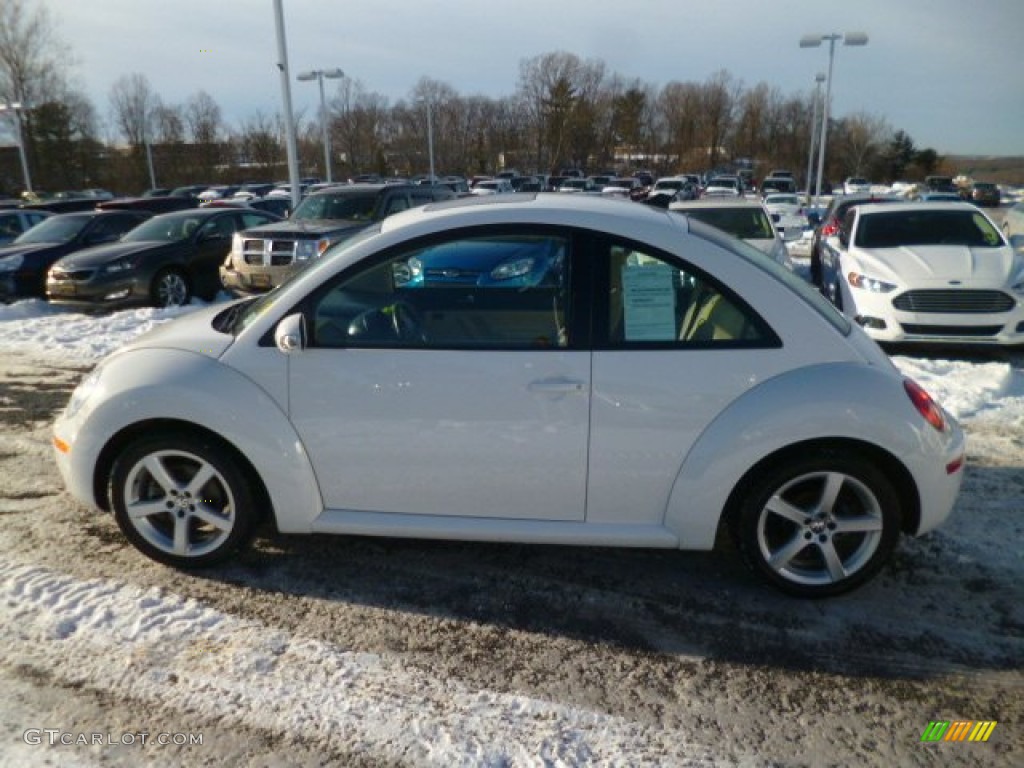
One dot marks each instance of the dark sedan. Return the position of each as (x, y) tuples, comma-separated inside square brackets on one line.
[(163, 262), (25, 262)]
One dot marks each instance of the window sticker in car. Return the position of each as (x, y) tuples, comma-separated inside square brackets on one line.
[(649, 302)]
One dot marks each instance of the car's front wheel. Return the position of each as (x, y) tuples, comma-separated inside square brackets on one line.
[(171, 289), (182, 499), (819, 526)]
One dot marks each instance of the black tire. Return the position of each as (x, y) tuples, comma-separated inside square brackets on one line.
[(170, 515), (170, 288), (818, 526)]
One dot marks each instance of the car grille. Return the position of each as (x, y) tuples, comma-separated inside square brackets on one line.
[(974, 331), (954, 302), (281, 252)]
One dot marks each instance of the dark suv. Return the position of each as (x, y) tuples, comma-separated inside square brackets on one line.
[(264, 257)]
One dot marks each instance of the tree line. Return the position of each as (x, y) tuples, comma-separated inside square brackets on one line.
[(565, 112)]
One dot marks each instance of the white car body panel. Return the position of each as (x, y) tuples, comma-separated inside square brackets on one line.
[(644, 453), (390, 430)]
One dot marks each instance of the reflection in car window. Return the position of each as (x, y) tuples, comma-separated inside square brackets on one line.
[(747, 223), (166, 229), (346, 207), (495, 292), (57, 229), (653, 301)]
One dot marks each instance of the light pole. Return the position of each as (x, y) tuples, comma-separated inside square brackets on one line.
[(818, 80), (16, 107), (319, 75), (430, 143), (286, 97), (814, 41)]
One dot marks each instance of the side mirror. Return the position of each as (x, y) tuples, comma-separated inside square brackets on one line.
[(844, 238), (290, 334), (776, 218)]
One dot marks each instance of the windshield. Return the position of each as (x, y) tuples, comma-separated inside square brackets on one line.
[(748, 223), (165, 229), (670, 184), (892, 229), (782, 200), (347, 207), (56, 229)]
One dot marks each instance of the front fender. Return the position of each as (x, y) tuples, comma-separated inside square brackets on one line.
[(144, 385), (841, 401)]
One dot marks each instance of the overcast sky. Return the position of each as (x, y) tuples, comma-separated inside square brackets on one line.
[(948, 72)]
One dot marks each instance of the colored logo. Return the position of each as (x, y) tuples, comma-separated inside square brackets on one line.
[(958, 730)]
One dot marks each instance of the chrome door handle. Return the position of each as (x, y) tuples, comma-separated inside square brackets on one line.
[(556, 385)]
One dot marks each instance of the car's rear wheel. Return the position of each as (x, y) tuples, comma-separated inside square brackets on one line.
[(182, 500), (171, 289), (819, 526)]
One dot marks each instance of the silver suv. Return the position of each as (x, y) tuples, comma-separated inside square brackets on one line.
[(264, 257)]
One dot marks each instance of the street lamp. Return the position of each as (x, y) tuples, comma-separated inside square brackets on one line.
[(430, 143), (818, 80), (15, 108), (814, 41), (319, 75)]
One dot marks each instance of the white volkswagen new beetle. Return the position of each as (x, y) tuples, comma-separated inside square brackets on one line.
[(532, 368)]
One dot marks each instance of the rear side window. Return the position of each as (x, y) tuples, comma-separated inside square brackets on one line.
[(654, 301)]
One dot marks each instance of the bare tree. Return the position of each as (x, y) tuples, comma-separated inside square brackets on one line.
[(203, 118), (168, 124), (718, 103), (132, 103), (32, 59), (862, 139), (359, 127)]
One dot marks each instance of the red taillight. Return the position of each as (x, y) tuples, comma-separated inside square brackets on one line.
[(925, 405), (830, 228)]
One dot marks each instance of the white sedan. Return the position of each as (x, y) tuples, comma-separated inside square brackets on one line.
[(921, 272), (787, 214), (554, 369)]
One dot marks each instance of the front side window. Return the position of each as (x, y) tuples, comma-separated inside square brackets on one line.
[(654, 301), (495, 291)]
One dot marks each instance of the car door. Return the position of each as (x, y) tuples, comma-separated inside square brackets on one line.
[(442, 380), (673, 347)]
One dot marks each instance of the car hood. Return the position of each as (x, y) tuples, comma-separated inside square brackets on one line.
[(924, 264), (311, 227), (29, 249), (104, 254), (193, 332)]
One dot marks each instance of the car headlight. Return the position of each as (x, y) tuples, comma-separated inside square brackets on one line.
[(510, 269), (408, 271), (11, 263), (311, 249), (121, 265), (872, 284)]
